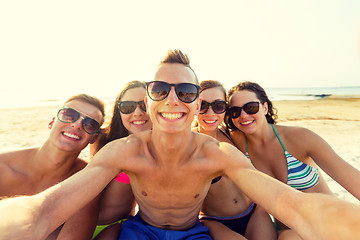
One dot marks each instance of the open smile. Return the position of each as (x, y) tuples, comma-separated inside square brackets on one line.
[(247, 122), (71, 135), (210, 121), (172, 116), (139, 122)]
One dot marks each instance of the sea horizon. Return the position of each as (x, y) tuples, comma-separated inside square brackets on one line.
[(311, 93), (10, 98)]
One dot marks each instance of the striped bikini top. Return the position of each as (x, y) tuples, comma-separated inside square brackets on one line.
[(300, 175)]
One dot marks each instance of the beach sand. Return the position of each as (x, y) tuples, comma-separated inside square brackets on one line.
[(336, 119)]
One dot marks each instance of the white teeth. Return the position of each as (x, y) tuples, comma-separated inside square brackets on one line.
[(248, 122), (71, 135), (210, 121), (171, 116), (138, 122)]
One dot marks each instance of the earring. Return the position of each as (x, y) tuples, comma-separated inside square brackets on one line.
[(51, 123)]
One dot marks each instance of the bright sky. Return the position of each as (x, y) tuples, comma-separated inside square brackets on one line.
[(97, 46)]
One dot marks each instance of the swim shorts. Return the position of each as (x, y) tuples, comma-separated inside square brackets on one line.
[(135, 229)]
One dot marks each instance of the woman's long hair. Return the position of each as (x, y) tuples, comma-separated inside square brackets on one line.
[(116, 128), (271, 115)]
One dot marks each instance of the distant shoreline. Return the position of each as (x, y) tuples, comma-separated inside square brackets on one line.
[(7, 103), (319, 96)]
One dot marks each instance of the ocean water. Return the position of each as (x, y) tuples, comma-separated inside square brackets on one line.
[(28, 98), (276, 94)]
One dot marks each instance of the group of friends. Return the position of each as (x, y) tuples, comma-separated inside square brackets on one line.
[(198, 161)]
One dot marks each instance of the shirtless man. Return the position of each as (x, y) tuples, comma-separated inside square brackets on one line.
[(171, 168), (30, 171)]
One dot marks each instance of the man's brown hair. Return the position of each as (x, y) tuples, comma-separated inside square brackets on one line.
[(177, 56), (91, 100)]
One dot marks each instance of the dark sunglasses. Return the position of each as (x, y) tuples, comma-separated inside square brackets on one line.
[(70, 115), (218, 106), (249, 108), (127, 107), (186, 92)]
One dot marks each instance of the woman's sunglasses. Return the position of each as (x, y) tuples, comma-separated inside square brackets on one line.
[(249, 108), (127, 107), (218, 106), (70, 115), (186, 92)]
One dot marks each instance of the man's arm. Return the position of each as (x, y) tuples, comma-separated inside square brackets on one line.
[(117, 202), (18, 214), (63, 200), (311, 215), (82, 224), (329, 161), (35, 217)]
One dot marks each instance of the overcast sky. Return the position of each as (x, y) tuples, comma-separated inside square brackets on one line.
[(96, 46)]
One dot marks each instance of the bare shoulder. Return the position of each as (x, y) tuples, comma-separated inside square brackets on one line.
[(120, 150), (17, 155), (210, 144), (228, 147), (295, 133), (121, 144), (206, 142), (131, 143), (218, 150), (13, 165)]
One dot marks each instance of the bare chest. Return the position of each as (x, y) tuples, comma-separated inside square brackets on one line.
[(170, 187), (17, 183), (23, 186)]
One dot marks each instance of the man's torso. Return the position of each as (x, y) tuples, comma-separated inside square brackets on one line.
[(170, 194)]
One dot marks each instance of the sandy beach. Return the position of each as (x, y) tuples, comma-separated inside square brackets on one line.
[(336, 119)]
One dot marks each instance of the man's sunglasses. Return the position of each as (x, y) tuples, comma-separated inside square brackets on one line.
[(186, 92), (218, 106), (70, 115), (127, 107), (249, 108)]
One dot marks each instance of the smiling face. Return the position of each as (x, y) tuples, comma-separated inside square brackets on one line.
[(71, 136), (209, 121), (138, 120), (172, 115), (248, 123)]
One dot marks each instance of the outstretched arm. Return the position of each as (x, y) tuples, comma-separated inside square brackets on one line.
[(35, 217), (63, 200), (58, 203), (19, 214), (329, 161), (82, 224), (117, 202), (311, 215)]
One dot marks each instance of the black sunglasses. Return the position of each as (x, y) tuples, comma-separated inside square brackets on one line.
[(70, 115), (218, 106), (186, 92), (249, 108), (127, 107)]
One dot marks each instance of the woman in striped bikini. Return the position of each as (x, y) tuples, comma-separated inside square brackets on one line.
[(289, 154)]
